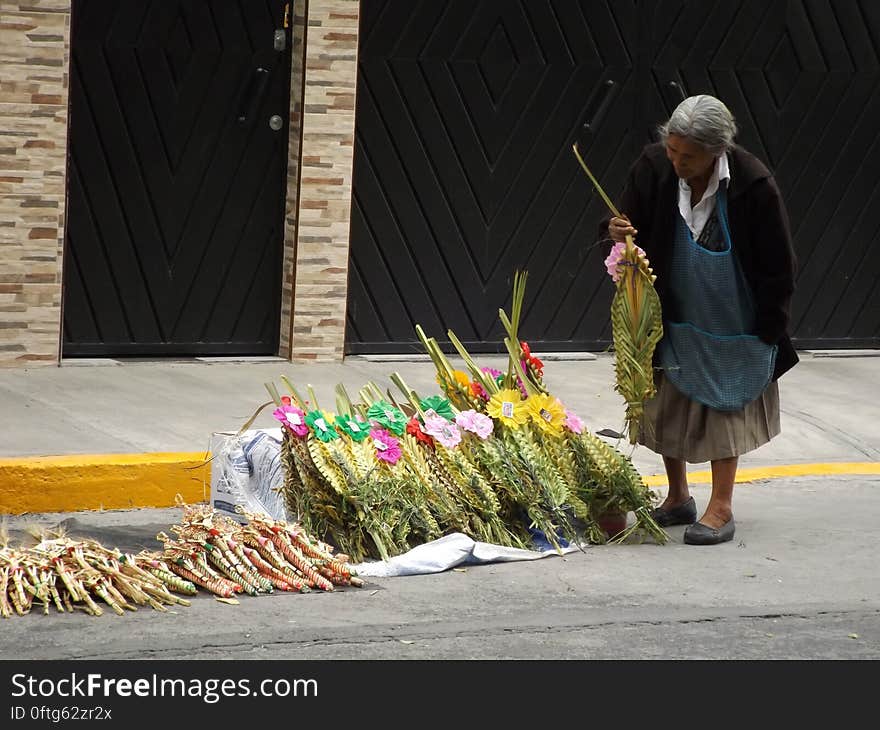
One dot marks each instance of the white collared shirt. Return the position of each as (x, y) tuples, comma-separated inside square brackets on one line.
[(697, 216)]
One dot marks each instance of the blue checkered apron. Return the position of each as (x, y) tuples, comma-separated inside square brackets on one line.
[(708, 350)]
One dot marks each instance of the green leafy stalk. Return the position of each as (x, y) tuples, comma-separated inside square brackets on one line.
[(314, 397), (293, 393), (512, 327), (411, 396), (343, 402), (488, 384), (595, 182)]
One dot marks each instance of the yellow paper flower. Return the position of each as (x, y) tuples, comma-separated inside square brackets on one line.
[(507, 407), (546, 412)]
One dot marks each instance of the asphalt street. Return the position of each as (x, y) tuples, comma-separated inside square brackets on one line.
[(799, 581)]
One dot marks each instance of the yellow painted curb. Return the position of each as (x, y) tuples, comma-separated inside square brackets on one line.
[(124, 481), (755, 474), (107, 481)]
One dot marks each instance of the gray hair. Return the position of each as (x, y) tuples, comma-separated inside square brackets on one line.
[(703, 119)]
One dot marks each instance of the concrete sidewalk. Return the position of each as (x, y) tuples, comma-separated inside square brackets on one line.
[(118, 435)]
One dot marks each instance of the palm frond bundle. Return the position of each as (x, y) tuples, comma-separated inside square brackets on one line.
[(496, 456), (636, 323)]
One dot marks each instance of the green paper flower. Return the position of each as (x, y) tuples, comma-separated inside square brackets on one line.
[(388, 416), (323, 430), (439, 405), (357, 430)]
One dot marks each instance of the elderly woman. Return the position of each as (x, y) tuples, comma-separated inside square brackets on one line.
[(711, 219)]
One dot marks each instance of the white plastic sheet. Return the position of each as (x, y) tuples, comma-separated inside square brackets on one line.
[(448, 552)]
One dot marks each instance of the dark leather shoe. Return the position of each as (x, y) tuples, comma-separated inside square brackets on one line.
[(700, 534), (684, 514)]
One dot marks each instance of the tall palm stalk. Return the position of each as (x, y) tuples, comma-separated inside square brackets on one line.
[(636, 323)]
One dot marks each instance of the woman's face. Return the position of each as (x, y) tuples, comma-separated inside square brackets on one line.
[(690, 159)]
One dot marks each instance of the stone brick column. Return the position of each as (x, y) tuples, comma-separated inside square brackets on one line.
[(34, 56), (291, 211), (320, 286)]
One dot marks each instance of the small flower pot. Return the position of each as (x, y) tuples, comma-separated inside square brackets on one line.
[(612, 523)]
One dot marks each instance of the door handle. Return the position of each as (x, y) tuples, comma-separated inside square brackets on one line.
[(252, 94), (598, 105), (605, 94)]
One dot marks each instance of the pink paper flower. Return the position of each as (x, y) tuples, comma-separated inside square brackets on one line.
[(293, 419), (612, 263), (387, 447), (445, 432), (478, 423), (573, 423)]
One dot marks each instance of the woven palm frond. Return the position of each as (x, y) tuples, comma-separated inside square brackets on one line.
[(637, 327), (636, 322)]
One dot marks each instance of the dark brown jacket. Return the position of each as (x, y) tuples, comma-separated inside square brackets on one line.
[(758, 227)]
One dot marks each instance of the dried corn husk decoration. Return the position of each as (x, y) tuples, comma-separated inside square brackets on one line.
[(636, 324), (226, 558), (209, 551), (72, 574)]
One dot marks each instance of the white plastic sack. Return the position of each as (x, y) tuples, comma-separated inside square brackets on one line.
[(246, 470)]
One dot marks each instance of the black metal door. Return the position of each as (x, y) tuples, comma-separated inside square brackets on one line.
[(463, 167), (802, 78), (464, 172), (176, 178)]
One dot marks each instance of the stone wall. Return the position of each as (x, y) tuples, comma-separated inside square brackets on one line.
[(324, 204), (34, 55), (291, 212)]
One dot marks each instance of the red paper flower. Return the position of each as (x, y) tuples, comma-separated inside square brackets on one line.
[(478, 391), (414, 428), (529, 358)]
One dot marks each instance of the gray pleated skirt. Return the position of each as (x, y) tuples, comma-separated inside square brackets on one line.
[(674, 425)]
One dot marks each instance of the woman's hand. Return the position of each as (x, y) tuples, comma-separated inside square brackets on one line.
[(618, 228)]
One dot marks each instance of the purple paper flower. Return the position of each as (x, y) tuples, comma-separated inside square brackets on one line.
[(492, 373), (387, 447), (293, 419), (573, 423), (498, 377), (445, 432), (478, 423)]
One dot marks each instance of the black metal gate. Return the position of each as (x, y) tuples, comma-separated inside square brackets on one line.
[(178, 156), (463, 167)]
